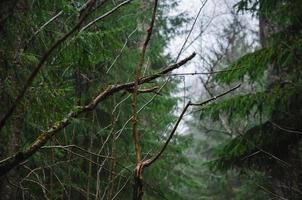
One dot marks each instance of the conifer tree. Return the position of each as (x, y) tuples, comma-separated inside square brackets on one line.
[(56, 56), (271, 141)]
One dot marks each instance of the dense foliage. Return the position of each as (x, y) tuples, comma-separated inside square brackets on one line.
[(93, 158), (57, 57), (265, 116)]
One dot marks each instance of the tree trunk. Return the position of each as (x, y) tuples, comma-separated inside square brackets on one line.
[(138, 191), (9, 185)]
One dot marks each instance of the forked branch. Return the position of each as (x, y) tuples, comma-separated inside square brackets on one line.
[(13, 161), (138, 184), (139, 169), (160, 152)]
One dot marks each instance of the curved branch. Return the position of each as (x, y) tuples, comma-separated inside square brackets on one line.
[(160, 152)]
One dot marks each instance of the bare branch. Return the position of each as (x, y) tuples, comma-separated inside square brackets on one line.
[(76, 147), (147, 90), (11, 162), (154, 158), (215, 97), (30, 41), (136, 135), (191, 30), (286, 129), (205, 73), (105, 15), (121, 51), (138, 182)]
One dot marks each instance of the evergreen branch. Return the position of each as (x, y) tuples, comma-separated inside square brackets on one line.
[(13, 161), (43, 60), (265, 152)]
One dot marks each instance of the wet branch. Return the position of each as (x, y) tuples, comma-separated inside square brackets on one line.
[(154, 158), (138, 182), (13, 161)]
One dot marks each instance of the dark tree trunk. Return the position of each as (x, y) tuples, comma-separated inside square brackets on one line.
[(9, 184)]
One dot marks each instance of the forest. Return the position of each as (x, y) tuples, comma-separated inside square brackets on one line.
[(150, 99)]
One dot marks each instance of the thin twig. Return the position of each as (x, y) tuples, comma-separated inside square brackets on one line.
[(105, 15), (121, 188), (42, 27), (191, 30), (76, 147), (205, 73), (270, 192), (285, 129), (121, 51)]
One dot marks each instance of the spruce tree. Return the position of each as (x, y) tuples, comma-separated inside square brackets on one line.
[(270, 105)]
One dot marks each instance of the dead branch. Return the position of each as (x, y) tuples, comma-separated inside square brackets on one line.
[(147, 90), (154, 158), (13, 161), (206, 73), (105, 15), (139, 169), (191, 30), (138, 182), (76, 147), (30, 41)]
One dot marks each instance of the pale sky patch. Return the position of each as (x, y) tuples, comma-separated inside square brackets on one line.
[(214, 17)]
